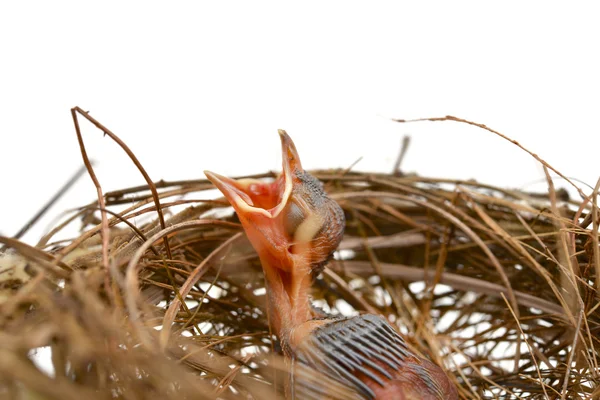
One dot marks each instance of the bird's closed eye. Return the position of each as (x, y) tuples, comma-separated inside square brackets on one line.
[(293, 216)]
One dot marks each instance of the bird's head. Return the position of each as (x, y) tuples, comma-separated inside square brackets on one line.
[(291, 222)]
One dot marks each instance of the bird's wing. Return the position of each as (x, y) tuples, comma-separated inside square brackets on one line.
[(353, 351)]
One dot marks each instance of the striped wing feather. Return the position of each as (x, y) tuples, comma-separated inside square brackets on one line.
[(366, 357)]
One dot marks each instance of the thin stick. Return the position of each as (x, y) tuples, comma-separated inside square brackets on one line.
[(595, 228), (351, 166), (134, 228), (74, 178), (104, 230), (537, 368), (133, 158), (571, 354), (456, 281), (482, 126), (403, 149)]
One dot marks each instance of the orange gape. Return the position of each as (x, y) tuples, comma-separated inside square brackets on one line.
[(295, 228)]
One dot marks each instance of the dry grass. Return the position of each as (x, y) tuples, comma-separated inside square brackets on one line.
[(500, 287)]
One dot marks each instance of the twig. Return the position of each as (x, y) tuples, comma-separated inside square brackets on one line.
[(537, 368), (571, 355), (482, 126), (456, 281), (50, 203), (401, 154), (133, 158), (104, 230), (595, 227)]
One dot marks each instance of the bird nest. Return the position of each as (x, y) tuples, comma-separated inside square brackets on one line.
[(161, 295)]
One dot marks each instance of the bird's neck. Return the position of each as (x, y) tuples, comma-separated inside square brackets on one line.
[(288, 297)]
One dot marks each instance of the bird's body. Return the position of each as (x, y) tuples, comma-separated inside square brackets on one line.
[(295, 228), (366, 354)]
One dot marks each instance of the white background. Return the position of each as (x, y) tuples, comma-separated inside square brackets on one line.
[(191, 87)]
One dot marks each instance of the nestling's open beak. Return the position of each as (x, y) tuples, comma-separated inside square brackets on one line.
[(290, 221), (250, 196), (259, 204)]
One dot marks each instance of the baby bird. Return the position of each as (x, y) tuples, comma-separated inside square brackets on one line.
[(295, 228)]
